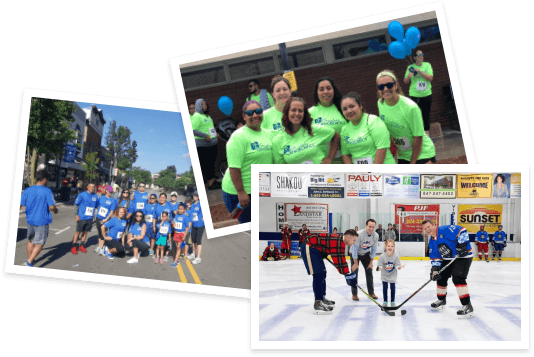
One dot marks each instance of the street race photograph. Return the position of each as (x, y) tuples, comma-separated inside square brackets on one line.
[(109, 189)]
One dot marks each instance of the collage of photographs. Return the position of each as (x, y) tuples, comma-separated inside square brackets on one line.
[(207, 198)]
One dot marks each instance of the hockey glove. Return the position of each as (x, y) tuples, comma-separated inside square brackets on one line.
[(462, 249), (444, 250), (434, 274), (351, 279)]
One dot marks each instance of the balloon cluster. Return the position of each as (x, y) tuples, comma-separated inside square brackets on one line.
[(404, 44), (226, 105)]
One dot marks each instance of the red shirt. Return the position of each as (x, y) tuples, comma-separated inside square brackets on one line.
[(286, 233), (333, 245), (303, 233), (268, 254)]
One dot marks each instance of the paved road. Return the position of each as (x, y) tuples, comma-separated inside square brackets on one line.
[(225, 261)]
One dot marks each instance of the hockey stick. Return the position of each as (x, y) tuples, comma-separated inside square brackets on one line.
[(390, 313), (421, 288)]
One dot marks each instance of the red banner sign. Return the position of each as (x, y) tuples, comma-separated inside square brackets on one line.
[(409, 217)]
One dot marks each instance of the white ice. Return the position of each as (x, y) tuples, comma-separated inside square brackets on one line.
[(286, 305)]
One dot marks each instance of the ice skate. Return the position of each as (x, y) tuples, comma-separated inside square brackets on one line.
[(438, 304), (321, 309), (466, 312), (328, 302)]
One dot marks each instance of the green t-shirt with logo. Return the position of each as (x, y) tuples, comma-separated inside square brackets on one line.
[(363, 140), (328, 117), (301, 148), (420, 87), (246, 147), (257, 99), (272, 120), (404, 121), (203, 123)]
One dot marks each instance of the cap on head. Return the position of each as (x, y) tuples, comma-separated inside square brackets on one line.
[(109, 188), (174, 194)]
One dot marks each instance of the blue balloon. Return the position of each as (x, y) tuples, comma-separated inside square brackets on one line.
[(397, 50), (374, 45), (405, 43), (413, 36), (226, 105), (408, 51), (396, 30)]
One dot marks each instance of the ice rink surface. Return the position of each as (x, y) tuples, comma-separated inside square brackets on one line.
[(286, 305)]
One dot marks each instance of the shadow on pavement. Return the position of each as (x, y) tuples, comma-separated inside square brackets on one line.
[(50, 254), (21, 234)]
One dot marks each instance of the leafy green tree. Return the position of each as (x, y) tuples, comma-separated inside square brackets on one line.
[(121, 150), (48, 130), (141, 175), (90, 166), (166, 179)]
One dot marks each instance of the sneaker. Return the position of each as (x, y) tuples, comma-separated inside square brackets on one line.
[(28, 264), (151, 252), (160, 261), (197, 260), (156, 261), (82, 249), (465, 312), (191, 256), (385, 303), (107, 253), (175, 264), (97, 249), (321, 308), (102, 250), (133, 260), (74, 250), (438, 304), (166, 258), (392, 304), (328, 302)]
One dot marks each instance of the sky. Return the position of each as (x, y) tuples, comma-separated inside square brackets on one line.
[(159, 135)]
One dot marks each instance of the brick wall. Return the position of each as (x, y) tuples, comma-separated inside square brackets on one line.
[(355, 75)]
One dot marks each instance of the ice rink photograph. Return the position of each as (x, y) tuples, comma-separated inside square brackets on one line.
[(410, 256)]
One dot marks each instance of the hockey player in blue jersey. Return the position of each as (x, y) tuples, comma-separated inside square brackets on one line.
[(445, 243), (499, 242), (482, 242)]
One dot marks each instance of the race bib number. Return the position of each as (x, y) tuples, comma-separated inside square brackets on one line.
[(363, 160), (164, 230), (140, 205), (148, 218), (307, 162), (338, 154), (402, 144), (89, 211), (195, 217), (178, 225), (103, 212), (119, 235), (213, 132), (421, 86)]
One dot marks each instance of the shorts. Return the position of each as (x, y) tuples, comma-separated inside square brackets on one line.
[(196, 235), (420, 161), (178, 237), (459, 268), (162, 241), (498, 246), (37, 234), (84, 225)]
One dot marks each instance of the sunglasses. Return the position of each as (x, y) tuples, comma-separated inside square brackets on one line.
[(141, 185), (420, 55), (251, 112), (126, 193), (252, 85), (139, 216), (388, 85)]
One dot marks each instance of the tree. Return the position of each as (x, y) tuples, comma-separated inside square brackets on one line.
[(141, 175), (90, 166), (48, 130), (121, 150), (166, 179)]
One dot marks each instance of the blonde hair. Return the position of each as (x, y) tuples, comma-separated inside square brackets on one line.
[(393, 242), (391, 74)]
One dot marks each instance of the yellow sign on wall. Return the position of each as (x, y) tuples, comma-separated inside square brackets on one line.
[(290, 76), (475, 186), (473, 216)]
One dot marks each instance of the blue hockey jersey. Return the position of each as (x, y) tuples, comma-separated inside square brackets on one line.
[(499, 237), (482, 237), (450, 235)]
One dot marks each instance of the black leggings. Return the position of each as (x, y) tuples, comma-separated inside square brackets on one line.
[(207, 155), (424, 104), (385, 291)]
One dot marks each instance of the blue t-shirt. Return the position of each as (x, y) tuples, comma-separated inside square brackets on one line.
[(136, 231), (499, 237), (87, 205), (174, 206), (124, 203), (164, 228), (180, 222), (106, 205), (37, 200), (162, 208), (196, 215), (140, 200), (482, 237), (116, 227), (149, 212), (450, 235)]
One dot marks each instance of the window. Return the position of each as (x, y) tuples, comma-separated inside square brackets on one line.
[(252, 68), (203, 77), (430, 33), (360, 47), (304, 58)]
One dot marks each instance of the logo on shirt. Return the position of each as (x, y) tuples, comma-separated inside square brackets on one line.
[(259, 147), (94, 198), (290, 150), (277, 126), (324, 121), (353, 141), (390, 266)]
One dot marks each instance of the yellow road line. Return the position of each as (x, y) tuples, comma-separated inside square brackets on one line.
[(181, 273), (193, 272)]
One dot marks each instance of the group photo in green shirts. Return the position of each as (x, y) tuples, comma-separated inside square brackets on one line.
[(346, 100)]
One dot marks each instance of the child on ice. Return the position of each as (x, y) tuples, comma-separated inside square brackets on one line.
[(388, 263)]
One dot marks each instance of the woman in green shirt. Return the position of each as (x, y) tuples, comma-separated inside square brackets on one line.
[(327, 109), (365, 139), (299, 143), (206, 142), (281, 91), (248, 145), (404, 121)]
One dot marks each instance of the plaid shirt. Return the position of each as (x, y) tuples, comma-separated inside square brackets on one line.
[(286, 233), (268, 254), (303, 234), (333, 245)]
